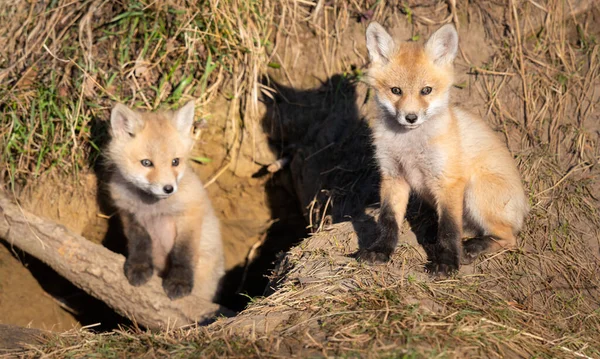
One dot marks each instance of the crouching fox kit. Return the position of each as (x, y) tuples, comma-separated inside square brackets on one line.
[(167, 217), (447, 156)]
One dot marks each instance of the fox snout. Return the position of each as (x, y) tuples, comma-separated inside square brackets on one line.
[(163, 178), (163, 184), (164, 188), (410, 119)]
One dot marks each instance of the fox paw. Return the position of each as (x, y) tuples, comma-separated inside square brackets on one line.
[(441, 269), (444, 264), (473, 248), (138, 273), (374, 256), (468, 256), (178, 283)]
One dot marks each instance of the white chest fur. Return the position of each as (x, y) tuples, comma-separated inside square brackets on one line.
[(162, 231), (411, 155), (157, 217)]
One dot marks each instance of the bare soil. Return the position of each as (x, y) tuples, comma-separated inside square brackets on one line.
[(23, 300)]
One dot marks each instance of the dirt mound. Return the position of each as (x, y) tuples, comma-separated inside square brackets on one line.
[(333, 304)]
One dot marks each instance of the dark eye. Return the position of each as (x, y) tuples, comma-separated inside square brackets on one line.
[(397, 91), (426, 90), (175, 162), (146, 163)]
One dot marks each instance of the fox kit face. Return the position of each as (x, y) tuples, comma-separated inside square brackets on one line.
[(412, 81), (150, 149)]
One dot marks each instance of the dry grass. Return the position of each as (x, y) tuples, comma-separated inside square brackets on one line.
[(540, 89), (329, 305)]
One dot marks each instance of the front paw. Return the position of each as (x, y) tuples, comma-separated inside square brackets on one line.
[(441, 269), (178, 282), (138, 272), (373, 255), (445, 264)]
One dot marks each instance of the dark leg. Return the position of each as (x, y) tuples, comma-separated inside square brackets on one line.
[(179, 277), (446, 251), (138, 265), (383, 247), (394, 199)]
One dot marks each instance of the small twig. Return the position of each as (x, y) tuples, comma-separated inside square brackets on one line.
[(324, 214), (319, 151), (90, 326), (521, 66), (452, 5), (105, 216), (494, 256), (480, 71), (278, 165), (569, 172), (217, 175)]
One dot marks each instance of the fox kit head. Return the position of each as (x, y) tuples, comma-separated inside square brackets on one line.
[(412, 81), (150, 149)]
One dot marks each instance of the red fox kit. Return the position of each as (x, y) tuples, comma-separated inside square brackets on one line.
[(167, 217), (447, 156)]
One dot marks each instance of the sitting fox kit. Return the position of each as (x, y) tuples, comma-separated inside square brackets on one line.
[(167, 217), (450, 158)]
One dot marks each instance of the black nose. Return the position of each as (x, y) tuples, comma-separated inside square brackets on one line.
[(411, 118), (168, 188)]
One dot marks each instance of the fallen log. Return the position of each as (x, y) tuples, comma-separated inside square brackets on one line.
[(99, 272)]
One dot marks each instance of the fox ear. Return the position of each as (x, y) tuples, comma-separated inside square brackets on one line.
[(184, 117), (443, 45), (125, 121), (379, 43)]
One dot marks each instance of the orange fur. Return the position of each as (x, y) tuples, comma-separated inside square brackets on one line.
[(446, 155), (182, 217)]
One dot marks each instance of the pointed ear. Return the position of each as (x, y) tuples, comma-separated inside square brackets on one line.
[(442, 46), (379, 43), (125, 121), (183, 119)]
